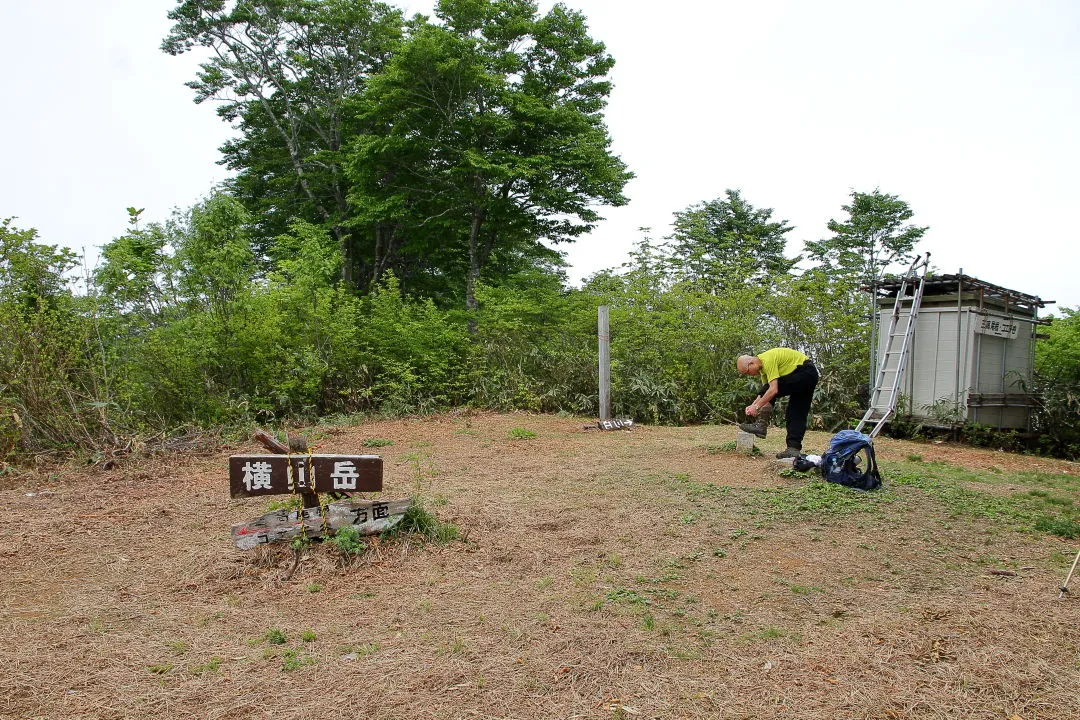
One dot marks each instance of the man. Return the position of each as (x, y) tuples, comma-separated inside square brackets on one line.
[(784, 373)]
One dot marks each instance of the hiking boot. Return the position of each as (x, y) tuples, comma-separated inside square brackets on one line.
[(760, 427), (789, 453)]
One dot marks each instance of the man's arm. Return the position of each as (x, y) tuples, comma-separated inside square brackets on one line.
[(753, 408)]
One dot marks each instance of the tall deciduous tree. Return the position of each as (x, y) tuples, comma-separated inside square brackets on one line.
[(488, 137), (283, 71), (727, 243), (874, 236), (136, 274)]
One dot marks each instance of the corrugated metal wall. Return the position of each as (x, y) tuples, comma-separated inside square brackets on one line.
[(989, 367)]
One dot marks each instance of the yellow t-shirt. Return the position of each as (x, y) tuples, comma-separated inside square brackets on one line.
[(779, 362)]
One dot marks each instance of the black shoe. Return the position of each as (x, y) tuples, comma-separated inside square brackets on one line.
[(789, 453)]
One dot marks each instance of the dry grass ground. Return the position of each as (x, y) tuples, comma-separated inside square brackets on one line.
[(641, 574)]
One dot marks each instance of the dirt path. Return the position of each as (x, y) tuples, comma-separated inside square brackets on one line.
[(638, 574)]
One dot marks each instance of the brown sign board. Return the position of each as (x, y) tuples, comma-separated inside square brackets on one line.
[(280, 474)]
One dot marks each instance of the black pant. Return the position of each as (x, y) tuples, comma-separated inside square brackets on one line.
[(798, 385)]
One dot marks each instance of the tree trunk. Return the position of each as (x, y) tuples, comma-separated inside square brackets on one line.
[(385, 237), (475, 265)]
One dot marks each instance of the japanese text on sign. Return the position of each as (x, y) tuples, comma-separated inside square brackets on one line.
[(279, 474), (996, 326)]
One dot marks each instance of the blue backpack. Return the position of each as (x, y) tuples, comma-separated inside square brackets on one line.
[(840, 463)]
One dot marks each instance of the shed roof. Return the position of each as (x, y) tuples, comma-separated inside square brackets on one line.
[(952, 284)]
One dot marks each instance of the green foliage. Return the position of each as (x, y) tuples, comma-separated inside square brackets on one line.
[(293, 659), (727, 243), (816, 498), (874, 236), (1061, 527), (419, 521), (957, 490), (489, 128), (287, 72), (534, 347), (440, 152), (1057, 385), (347, 541), (54, 380), (520, 434), (275, 636)]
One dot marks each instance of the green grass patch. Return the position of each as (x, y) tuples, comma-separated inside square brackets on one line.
[(274, 636), (347, 541), (210, 666), (294, 660), (694, 490), (520, 434), (288, 502), (769, 633), (627, 597), (1034, 509), (421, 522), (377, 442), (817, 499)]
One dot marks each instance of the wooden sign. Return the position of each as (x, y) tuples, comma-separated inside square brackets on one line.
[(367, 516), (278, 474), (996, 325)]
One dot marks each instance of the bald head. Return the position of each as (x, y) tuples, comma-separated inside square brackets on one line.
[(748, 365)]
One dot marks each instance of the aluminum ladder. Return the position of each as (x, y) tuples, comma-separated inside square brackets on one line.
[(890, 371)]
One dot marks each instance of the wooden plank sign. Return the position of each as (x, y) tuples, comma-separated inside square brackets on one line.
[(367, 516), (277, 474)]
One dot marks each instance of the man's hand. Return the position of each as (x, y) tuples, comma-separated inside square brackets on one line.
[(751, 411)]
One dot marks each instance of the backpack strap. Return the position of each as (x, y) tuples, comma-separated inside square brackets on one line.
[(872, 467)]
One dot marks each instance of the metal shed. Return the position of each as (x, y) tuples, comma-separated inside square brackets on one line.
[(972, 353)]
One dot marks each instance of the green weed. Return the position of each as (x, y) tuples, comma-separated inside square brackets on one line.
[(630, 597), (287, 502), (347, 541), (211, 666), (274, 636), (294, 660), (520, 434), (419, 521)]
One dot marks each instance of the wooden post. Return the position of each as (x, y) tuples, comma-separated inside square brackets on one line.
[(605, 362)]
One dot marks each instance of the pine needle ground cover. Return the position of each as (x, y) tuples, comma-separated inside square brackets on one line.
[(558, 573)]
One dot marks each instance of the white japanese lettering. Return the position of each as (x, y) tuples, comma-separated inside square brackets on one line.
[(257, 476), (345, 475)]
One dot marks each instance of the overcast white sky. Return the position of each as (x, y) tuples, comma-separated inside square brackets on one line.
[(966, 109)]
